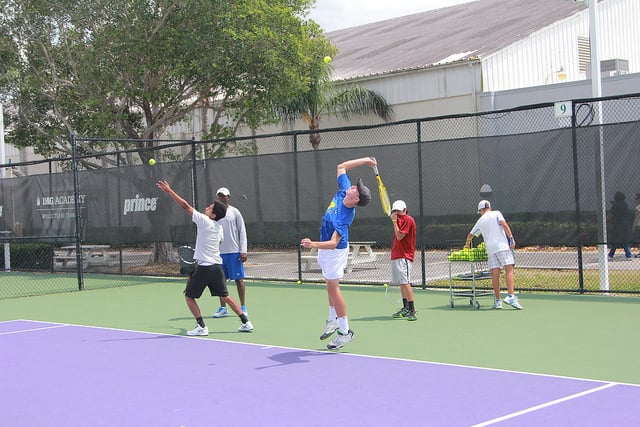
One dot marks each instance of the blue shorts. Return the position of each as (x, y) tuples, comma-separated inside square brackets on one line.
[(232, 265)]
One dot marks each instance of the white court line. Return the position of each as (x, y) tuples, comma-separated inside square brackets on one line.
[(34, 329), (357, 355), (544, 405)]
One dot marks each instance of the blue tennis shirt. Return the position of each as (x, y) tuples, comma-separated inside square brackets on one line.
[(338, 217)]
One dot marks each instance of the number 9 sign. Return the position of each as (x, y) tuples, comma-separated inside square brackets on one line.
[(563, 109)]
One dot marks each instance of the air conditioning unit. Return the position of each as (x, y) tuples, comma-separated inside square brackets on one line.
[(611, 67)]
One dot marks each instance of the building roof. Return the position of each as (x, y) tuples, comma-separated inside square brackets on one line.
[(467, 31)]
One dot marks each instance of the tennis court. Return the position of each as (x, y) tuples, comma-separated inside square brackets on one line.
[(119, 357)]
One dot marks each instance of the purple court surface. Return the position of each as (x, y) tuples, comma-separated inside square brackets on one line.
[(70, 375)]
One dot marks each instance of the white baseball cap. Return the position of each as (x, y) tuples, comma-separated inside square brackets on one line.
[(484, 204), (399, 205), (223, 190)]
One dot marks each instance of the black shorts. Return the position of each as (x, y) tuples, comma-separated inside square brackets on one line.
[(211, 276)]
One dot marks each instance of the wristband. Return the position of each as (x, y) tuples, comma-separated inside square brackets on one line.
[(511, 241)]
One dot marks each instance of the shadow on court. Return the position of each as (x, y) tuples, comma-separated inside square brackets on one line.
[(293, 357)]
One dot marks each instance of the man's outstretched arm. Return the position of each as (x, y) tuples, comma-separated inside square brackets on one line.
[(350, 164), (164, 186)]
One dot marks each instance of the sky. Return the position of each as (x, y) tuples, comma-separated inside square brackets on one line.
[(338, 14)]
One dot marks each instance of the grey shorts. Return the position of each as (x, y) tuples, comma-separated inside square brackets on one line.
[(500, 259), (401, 271)]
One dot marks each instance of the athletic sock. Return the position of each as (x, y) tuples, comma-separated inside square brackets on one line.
[(343, 323), (405, 303), (200, 322), (244, 318), (411, 306), (332, 314)]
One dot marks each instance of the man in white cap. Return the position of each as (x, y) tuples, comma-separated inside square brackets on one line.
[(233, 250), (403, 249), (499, 242)]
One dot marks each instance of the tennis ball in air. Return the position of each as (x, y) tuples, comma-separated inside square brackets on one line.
[(386, 285), (152, 162), (327, 59), (299, 282)]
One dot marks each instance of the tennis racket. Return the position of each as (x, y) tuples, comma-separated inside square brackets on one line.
[(384, 195), (187, 263), (392, 294)]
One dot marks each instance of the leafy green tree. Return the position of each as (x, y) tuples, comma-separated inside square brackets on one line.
[(131, 68), (128, 69), (321, 96)]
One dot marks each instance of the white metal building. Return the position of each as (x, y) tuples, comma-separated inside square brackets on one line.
[(478, 56)]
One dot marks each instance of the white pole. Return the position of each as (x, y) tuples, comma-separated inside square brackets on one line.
[(596, 91), (2, 152), (7, 251)]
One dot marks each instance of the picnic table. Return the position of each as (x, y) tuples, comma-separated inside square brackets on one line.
[(91, 255), (359, 253)]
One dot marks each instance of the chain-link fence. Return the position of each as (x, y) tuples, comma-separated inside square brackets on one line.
[(552, 175)]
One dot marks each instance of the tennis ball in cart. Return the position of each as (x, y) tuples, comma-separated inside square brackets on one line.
[(152, 162), (327, 59)]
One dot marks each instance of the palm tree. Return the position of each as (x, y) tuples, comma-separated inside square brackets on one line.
[(324, 97)]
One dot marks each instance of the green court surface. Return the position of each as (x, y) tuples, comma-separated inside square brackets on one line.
[(594, 337)]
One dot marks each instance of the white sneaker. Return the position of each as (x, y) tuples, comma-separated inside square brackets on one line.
[(340, 340), (222, 312), (512, 300), (198, 331), (329, 328), (246, 327), (497, 304)]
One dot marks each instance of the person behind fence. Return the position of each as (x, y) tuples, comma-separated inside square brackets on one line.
[(635, 227), (208, 271), (499, 243), (619, 220), (233, 250), (333, 247), (403, 249)]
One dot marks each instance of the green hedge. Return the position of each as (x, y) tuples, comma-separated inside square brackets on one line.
[(29, 256)]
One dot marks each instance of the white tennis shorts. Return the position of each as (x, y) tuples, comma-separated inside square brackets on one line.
[(333, 262), (401, 271), (500, 259)]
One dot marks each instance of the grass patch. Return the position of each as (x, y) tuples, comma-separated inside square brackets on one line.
[(533, 279)]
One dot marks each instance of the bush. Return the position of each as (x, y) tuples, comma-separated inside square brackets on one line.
[(29, 256)]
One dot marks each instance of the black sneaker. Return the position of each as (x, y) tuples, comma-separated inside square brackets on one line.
[(411, 316), (403, 312)]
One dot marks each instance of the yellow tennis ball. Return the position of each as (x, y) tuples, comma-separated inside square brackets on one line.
[(152, 162), (386, 285), (299, 282), (327, 59)]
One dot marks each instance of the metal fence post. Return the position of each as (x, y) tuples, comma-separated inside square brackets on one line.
[(76, 195), (576, 185)]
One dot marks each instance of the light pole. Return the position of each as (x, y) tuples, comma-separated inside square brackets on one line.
[(596, 92), (2, 153)]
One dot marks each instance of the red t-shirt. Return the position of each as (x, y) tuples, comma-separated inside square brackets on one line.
[(406, 247)]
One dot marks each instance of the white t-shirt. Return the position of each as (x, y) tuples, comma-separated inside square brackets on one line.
[(488, 225), (235, 233), (208, 238)]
